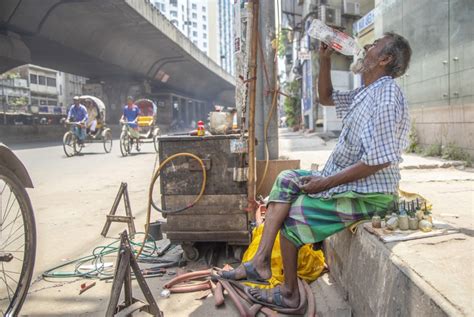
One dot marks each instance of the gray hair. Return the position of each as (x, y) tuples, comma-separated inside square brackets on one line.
[(400, 50)]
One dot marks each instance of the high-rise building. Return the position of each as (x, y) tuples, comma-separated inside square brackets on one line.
[(209, 24), (190, 17), (226, 34)]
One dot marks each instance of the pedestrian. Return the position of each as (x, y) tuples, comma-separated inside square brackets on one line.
[(360, 178)]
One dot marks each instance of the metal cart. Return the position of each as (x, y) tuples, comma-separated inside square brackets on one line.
[(219, 215)]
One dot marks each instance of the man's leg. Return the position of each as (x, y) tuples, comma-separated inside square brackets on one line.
[(289, 289), (276, 214)]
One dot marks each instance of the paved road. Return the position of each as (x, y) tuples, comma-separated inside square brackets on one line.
[(72, 195)]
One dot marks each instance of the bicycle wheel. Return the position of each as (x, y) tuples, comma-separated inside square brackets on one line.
[(107, 141), (124, 143), (17, 243), (69, 144)]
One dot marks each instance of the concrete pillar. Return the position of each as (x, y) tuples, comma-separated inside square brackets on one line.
[(115, 96), (264, 90)]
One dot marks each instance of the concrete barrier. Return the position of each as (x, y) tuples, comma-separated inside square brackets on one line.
[(379, 283), (15, 134)]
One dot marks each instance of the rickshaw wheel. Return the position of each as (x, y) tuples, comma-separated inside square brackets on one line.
[(69, 144), (107, 141), (124, 143)]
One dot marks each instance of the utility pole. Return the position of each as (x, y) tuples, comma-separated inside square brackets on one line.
[(3, 102), (266, 82)]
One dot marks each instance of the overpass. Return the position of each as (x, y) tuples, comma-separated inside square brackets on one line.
[(118, 44)]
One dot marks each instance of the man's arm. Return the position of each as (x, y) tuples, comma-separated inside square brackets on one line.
[(359, 170), (324, 81)]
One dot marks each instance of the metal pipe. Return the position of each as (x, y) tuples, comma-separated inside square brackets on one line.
[(252, 175)]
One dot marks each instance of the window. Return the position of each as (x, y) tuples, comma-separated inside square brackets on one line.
[(174, 3), (51, 82), (194, 6), (163, 7), (195, 33), (204, 27), (204, 36), (195, 16), (195, 42), (205, 44), (175, 22), (33, 79), (41, 80), (203, 9), (195, 25), (182, 7), (204, 17), (174, 14)]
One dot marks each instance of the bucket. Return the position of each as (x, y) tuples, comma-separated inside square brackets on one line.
[(154, 231)]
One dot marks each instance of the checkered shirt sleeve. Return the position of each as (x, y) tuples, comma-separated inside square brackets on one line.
[(343, 100)]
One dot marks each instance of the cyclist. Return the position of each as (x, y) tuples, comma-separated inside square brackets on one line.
[(78, 114), (130, 120)]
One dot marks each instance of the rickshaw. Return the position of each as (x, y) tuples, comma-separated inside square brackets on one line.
[(103, 134), (147, 128)]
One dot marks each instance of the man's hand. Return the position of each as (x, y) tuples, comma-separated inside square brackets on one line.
[(325, 51), (313, 184)]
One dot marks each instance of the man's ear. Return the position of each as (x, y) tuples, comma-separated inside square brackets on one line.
[(385, 60)]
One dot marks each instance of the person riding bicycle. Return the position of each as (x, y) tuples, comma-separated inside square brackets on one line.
[(78, 114), (130, 120)]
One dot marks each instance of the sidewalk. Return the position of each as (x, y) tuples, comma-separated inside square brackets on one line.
[(430, 276)]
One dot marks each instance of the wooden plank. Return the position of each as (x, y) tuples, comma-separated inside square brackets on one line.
[(119, 218), (217, 223), (235, 237), (208, 204)]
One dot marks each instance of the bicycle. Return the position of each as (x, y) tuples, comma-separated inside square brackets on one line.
[(17, 233)]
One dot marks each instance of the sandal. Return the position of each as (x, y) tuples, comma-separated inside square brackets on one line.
[(278, 304), (251, 273)]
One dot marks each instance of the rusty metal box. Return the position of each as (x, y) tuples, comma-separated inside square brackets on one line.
[(219, 215)]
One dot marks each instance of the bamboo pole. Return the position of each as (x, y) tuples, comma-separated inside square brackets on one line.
[(252, 173)]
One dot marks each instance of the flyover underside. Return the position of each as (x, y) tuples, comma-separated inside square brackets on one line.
[(114, 39)]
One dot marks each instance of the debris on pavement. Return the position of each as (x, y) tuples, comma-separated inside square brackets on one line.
[(85, 287)]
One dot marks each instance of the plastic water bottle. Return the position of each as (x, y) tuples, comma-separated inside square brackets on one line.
[(337, 40)]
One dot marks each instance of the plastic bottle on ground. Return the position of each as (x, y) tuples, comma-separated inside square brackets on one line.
[(337, 40)]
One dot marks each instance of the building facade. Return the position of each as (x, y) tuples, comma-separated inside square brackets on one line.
[(439, 84), (301, 53), (190, 17)]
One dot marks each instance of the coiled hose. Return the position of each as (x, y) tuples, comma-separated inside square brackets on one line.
[(152, 186)]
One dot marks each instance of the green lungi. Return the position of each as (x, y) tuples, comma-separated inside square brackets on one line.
[(312, 219)]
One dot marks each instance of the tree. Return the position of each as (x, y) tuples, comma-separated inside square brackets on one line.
[(292, 104)]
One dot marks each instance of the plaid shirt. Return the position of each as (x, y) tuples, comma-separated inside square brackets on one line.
[(375, 128)]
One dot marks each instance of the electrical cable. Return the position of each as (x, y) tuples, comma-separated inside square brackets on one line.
[(152, 186), (97, 260)]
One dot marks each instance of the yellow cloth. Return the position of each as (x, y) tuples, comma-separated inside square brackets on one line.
[(310, 262), (145, 121)]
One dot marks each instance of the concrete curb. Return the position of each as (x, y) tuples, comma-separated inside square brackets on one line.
[(435, 165), (379, 283)]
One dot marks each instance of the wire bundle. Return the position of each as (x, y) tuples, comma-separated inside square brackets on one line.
[(150, 254)]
